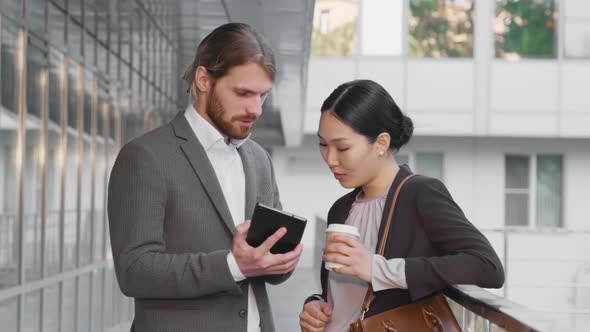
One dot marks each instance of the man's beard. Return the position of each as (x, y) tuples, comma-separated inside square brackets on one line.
[(228, 127)]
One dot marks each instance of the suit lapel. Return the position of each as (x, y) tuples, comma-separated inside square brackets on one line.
[(249, 173), (197, 157)]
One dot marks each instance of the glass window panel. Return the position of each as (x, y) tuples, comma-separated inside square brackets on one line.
[(75, 10), (111, 121), (577, 38), (75, 33), (89, 49), (517, 172), (381, 30), (88, 100), (135, 38), (8, 67), (101, 20), (11, 8), (60, 3), (101, 57), (36, 15), (517, 209), (125, 76), (8, 314), (71, 169), (32, 317), (90, 17), (402, 159), (525, 29), (9, 239), (74, 88), (108, 307), (125, 42), (441, 29), (55, 83), (83, 305), (54, 165), (99, 201), (68, 311), (97, 299), (125, 13), (34, 161), (430, 164), (56, 24), (70, 213), (52, 231), (50, 308), (334, 28), (114, 71), (576, 28), (70, 196), (32, 216), (144, 42), (85, 204), (115, 26), (549, 191)]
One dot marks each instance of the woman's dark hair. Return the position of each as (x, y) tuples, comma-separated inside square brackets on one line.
[(227, 46), (368, 109)]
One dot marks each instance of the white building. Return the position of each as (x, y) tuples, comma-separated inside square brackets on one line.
[(510, 139)]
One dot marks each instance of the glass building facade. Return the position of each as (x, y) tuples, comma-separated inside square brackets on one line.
[(79, 78)]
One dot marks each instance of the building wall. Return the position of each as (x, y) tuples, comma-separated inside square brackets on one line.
[(65, 110), (474, 174), (529, 98)]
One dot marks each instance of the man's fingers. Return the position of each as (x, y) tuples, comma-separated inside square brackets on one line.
[(271, 240), (243, 227)]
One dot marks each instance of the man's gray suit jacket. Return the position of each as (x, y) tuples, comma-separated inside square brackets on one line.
[(171, 231)]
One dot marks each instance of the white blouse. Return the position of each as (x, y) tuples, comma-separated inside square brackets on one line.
[(346, 293)]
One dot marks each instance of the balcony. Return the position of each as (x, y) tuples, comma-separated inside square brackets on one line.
[(476, 309)]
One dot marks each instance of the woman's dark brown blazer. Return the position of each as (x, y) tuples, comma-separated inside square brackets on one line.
[(429, 230)]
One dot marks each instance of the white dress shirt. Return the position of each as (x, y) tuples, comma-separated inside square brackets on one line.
[(228, 167)]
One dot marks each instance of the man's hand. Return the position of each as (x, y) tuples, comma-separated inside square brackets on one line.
[(259, 261), (315, 316)]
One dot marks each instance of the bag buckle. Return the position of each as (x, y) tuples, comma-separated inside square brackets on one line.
[(363, 312)]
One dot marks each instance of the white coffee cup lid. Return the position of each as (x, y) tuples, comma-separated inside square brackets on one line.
[(342, 228)]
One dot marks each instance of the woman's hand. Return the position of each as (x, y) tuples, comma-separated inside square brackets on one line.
[(315, 316), (348, 251)]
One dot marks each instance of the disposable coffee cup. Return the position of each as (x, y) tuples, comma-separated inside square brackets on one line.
[(339, 229)]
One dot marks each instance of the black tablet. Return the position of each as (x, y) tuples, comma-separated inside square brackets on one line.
[(267, 220)]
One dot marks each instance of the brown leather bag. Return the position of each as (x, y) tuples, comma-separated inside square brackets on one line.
[(426, 315)]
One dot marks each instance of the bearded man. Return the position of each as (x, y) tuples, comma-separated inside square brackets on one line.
[(179, 196)]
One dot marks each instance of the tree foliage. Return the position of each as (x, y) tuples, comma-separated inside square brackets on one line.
[(527, 28), (440, 28), (339, 41)]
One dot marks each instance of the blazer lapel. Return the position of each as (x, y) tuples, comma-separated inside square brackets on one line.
[(197, 157), (250, 174)]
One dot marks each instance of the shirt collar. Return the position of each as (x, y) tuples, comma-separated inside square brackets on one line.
[(208, 135)]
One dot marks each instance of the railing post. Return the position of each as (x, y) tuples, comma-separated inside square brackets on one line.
[(505, 236)]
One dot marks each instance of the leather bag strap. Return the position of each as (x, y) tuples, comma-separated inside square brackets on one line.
[(369, 295)]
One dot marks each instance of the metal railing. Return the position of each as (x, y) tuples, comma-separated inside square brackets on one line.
[(479, 310)]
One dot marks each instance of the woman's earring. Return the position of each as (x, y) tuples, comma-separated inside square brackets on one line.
[(381, 153)]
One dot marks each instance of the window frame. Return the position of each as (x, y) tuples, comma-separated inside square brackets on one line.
[(411, 155), (532, 222)]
